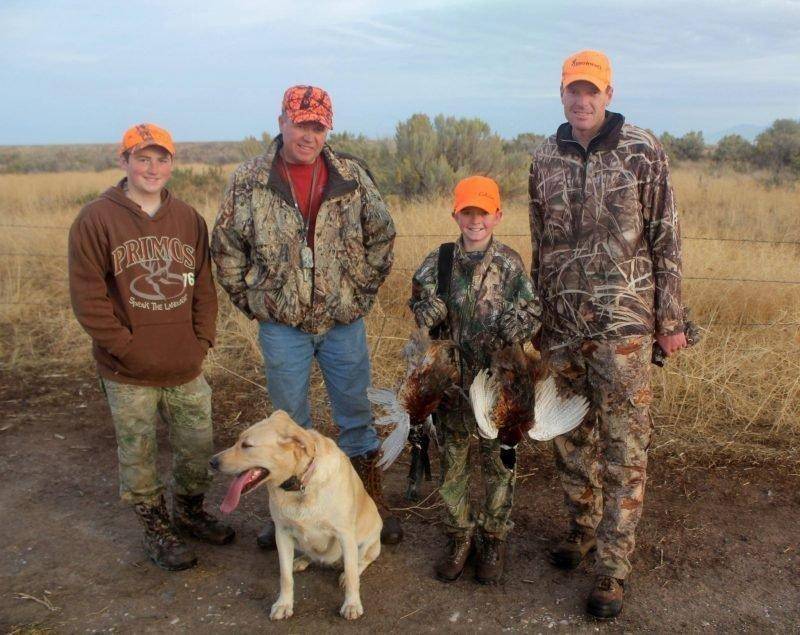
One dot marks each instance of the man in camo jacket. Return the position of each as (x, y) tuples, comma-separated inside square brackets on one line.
[(302, 242), (607, 267)]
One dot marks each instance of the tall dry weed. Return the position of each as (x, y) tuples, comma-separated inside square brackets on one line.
[(735, 395)]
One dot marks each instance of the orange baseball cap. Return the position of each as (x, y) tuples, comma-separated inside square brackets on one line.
[(477, 191), (308, 103), (144, 135), (590, 66)]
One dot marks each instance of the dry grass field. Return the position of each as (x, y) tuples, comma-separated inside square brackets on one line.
[(716, 549), (736, 396)]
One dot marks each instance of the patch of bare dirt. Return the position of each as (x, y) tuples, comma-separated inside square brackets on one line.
[(718, 548)]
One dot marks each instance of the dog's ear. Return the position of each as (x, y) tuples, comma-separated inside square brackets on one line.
[(300, 439)]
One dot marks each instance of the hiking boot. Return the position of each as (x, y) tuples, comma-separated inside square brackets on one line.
[(366, 466), (161, 543), (605, 600), (457, 552), (569, 553), (491, 558), (266, 537), (189, 517)]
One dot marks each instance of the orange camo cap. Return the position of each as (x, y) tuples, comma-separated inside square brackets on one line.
[(144, 135), (308, 103), (477, 191), (590, 66)]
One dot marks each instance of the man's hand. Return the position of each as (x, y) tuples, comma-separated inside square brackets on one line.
[(671, 343)]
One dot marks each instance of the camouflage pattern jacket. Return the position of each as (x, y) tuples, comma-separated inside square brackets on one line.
[(258, 237), (491, 303), (606, 243)]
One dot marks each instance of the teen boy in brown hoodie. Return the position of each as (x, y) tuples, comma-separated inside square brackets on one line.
[(140, 283)]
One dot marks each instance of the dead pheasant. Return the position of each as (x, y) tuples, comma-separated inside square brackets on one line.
[(516, 396), (431, 376)]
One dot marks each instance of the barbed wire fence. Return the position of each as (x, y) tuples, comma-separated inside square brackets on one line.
[(410, 270)]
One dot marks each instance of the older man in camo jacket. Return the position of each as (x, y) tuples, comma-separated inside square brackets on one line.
[(302, 242), (607, 267)]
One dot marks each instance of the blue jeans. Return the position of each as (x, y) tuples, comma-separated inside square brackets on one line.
[(344, 361)]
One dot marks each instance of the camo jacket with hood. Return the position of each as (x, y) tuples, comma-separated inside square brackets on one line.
[(491, 303), (606, 242), (258, 236)]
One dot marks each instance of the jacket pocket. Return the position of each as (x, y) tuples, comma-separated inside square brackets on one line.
[(161, 352), (364, 277), (269, 270)]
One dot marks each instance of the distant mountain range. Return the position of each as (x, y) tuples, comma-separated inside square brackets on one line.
[(747, 130)]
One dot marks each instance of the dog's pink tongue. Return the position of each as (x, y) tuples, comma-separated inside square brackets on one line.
[(234, 493)]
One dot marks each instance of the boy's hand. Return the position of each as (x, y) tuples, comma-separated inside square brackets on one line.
[(430, 313), (509, 327)]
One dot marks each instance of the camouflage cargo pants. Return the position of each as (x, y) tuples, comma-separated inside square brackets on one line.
[(456, 427), (603, 463), (135, 411)]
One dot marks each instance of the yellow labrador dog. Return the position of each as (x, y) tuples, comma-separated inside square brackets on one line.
[(316, 499)]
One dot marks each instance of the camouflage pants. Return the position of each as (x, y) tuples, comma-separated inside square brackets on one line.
[(187, 411), (603, 462), (456, 427)]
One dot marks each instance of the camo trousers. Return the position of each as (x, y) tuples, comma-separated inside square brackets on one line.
[(603, 462), (135, 411), (456, 427)]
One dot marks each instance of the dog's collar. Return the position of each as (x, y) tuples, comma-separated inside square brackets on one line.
[(295, 484), (307, 474)]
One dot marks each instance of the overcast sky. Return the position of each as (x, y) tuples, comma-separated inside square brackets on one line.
[(84, 70)]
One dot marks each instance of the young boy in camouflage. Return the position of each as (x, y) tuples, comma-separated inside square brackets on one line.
[(141, 286), (490, 304)]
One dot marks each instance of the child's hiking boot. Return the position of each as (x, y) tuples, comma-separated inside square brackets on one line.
[(491, 559), (457, 551), (189, 517), (569, 553), (161, 543), (605, 600)]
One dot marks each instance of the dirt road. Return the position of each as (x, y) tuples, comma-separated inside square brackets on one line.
[(718, 549)]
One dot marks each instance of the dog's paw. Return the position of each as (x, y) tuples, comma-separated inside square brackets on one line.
[(352, 610), (281, 611), (300, 564), (342, 580)]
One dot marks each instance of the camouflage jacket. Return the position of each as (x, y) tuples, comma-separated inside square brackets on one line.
[(606, 243), (482, 295), (258, 237)]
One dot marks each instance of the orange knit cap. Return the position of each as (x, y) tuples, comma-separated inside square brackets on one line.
[(144, 135), (477, 191)]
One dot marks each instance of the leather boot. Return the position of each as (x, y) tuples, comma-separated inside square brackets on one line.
[(605, 600), (161, 543), (491, 559), (266, 537), (189, 517), (569, 553), (457, 551), (366, 466)]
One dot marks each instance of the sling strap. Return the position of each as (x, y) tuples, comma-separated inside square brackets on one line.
[(444, 274)]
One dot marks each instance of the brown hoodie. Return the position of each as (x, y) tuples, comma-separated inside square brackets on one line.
[(141, 287)]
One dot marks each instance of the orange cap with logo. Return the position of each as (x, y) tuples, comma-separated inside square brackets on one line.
[(144, 135), (477, 191), (589, 66), (308, 103)]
